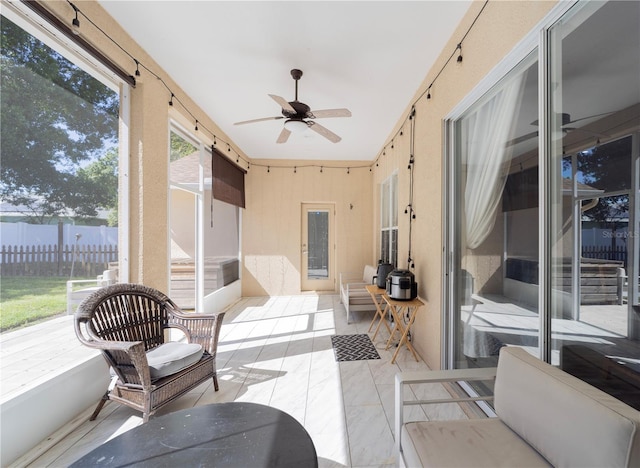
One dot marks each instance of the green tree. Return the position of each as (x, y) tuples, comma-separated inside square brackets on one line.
[(102, 173), (180, 147), (55, 121), (608, 168)]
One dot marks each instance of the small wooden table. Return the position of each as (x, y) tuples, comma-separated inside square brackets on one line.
[(397, 307), (376, 295), (222, 435)]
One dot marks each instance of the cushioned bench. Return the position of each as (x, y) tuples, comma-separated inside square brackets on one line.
[(544, 417)]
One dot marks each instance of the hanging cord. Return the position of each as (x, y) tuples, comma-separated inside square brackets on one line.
[(411, 166)]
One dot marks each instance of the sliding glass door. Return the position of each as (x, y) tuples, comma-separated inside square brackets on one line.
[(544, 198), (496, 214), (594, 118)]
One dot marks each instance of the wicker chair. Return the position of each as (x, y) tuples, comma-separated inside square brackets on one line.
[(125, 322)]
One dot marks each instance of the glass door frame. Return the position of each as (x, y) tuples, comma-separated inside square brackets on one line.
[(538, 40), (307, 283)]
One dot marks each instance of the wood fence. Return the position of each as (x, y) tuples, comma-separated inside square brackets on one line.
[(51, 260), (618, 253)]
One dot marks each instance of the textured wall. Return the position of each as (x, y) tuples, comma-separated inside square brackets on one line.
[(272, 222)]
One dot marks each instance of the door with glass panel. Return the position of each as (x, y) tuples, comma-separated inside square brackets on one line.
[(317, 247)]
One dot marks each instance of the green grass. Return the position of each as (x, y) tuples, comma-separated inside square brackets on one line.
[(28, 299)]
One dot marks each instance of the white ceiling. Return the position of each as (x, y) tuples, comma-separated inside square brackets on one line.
[(367, 56)]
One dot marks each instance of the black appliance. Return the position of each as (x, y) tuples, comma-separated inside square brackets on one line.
[(381, 276), (401, 285)]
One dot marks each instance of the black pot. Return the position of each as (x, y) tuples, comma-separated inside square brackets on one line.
[(381, 276)]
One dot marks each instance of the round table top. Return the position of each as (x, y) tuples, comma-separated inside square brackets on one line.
[(232, 434)]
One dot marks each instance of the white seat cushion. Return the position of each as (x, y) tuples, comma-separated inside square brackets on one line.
[(570, 423), (169, 358), (470, 443)]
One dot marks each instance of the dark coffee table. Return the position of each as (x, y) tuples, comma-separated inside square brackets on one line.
[(222, 435)]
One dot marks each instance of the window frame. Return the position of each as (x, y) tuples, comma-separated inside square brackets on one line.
[(389, 226)]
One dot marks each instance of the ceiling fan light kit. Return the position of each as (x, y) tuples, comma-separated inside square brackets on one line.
[(300, 117), (296, 126)]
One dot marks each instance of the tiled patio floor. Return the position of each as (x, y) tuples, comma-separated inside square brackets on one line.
[(277, 351)]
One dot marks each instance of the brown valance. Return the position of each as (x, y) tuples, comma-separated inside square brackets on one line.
[(228, 180)]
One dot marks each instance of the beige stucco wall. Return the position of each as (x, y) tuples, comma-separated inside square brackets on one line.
[(499, 28), (272, 221)]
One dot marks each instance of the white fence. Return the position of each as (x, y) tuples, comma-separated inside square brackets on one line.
[(24, 234)]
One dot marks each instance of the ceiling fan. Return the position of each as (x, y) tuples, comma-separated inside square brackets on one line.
[(566, 121), (299, 116)]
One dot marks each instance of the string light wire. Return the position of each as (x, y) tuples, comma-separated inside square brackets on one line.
[(175, 99), (427, 91)]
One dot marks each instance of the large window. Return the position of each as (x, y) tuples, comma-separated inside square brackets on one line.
[(389, 220), (60, 166), (544, 205), (204, 231)]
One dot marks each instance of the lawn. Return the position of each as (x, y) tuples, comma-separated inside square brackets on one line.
[(27, 299)]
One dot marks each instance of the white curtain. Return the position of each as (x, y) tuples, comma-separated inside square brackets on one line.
[(488, 157)]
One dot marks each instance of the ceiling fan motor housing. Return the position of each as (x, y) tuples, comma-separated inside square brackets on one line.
[(301, 110)]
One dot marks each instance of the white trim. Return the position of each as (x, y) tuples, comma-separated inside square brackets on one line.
[(124, 196)]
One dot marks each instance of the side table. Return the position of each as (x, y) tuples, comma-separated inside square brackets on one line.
[(397, 309), (376, 295)]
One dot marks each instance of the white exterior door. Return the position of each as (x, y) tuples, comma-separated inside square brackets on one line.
[(317, 247)]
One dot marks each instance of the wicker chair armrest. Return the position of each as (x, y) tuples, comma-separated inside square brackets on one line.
[(203, 329), (89, 339), (134, 350)]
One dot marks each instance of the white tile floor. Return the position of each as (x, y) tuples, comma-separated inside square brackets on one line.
[(277, 351)]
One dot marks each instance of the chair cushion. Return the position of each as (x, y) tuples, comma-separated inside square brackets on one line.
[(470, 443), (171, 357), (570, 422)]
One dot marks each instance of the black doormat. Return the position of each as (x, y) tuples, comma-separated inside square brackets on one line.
[(353, 348)]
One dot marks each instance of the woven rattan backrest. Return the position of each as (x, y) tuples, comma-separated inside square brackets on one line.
[(128, 312)]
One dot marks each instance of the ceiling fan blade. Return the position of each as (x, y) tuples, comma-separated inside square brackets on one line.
[(522, 138), (325, 132), (284, 136), (566, 118), (259, 120), (589, 117), (324, 113), (588, 132), (282, 102)]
